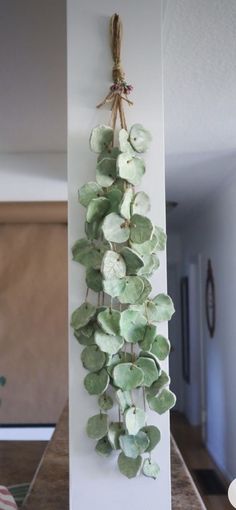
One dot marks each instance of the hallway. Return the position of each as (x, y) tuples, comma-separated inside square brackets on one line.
[(188, 439)]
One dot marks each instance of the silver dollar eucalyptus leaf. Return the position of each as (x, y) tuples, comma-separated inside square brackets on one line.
[(161, 347), (131, 168), (97, 426), (115, 228), (141, 204), (162, 381), (101, 138), (114, 196), (141, 229), (161, 237), (165, 307), (125, 204), (96, 382), (139, 138), (129, 467), (154, 436), (164, 401), (106, 169), (132, 325), (113, 265), (124, 399), (105, 402), (85, 252), (134, 287), (133, 260), (133, 446), (110, 344), (151, 469), (109, 320), (134, 420), (82, 315), (103, 447), (149, 335), (114, 287), (124, 144), (92, 358), (97, 209), (127, 376), (114, 433), (94, 279), (88, 192), (150, 371)]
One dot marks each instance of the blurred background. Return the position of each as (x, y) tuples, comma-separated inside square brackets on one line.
[(199, 47)]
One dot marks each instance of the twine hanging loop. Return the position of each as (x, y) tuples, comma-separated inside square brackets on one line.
[(119, 90)]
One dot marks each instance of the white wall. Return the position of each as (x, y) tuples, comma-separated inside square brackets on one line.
[(95, 481), (211, 233)]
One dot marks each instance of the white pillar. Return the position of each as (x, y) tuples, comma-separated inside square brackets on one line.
[(95, 482)]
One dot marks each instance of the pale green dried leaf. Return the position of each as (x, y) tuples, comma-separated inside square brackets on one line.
[(113, 265), (165, 307), (133, 261), (101, 138), (134, 445), (132, 325), (154, 436), (134, 287), (103, 447), (124, 399), (134, 419), (161, 347), (105, 402), (125, 204), (114, 432), (124, 144), (110, 344), (129, 467), (149, 368), (94, 279), (150, 333), (96, 382), (97, 209), (115, 229), (127, 376), (141, 229), (151, 469), (139, 138), (114, 287), (88, 192), (82, 315), (97, 426), (131, 168), (163, 402), (141, 203), (162, 381), (92, 358), (109, 320)]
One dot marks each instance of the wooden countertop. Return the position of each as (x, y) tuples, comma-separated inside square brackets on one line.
[(50, 487)]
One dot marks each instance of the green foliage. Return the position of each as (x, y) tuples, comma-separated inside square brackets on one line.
[(122, 346)]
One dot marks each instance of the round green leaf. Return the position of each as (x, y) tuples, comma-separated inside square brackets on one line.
[(154, 436), (109, 320), (114, 195), (132, 325), (88, 330), (106, 169), (150, 264), (124, 399), (108, 343), (85, 252), (131, 168), (101, 138), (115, 359), (139, 138), (134, 287), (93, 230), (146, 291), (82, 315), (161, 347), (141, 204), (97, 209), (125, 204), (164, 401), (129, 467), (147, 247), (133, 446), (88, 192), (105, 402), (115, 229), (151, 356), (92, 358), (97, 383), (148, 366), (151, 469), (141, 229), (134, 419), (97, 426), (94, 279), (113, 265), (103, 447), (165, 307), (127, 376), (150, 333), (82, 339), (160, 237), (114, 287), (133, 261), (124, 144), (114, 432), (162, 381)]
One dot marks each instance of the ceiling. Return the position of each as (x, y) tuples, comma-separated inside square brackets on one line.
[(199, 39)]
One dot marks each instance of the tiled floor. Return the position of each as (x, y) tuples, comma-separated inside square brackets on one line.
[(188, 439)]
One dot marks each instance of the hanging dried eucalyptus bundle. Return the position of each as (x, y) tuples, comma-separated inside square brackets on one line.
[(123, 349)]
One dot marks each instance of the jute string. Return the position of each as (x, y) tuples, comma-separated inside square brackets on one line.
[(119, 90)]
